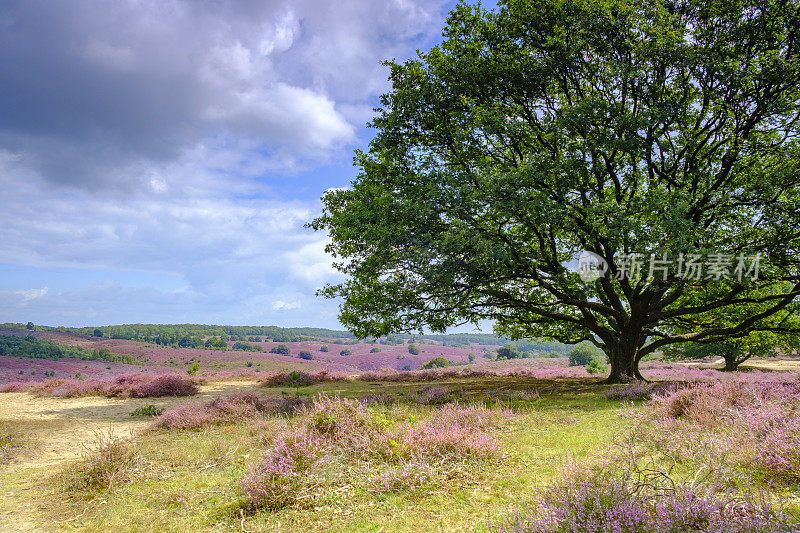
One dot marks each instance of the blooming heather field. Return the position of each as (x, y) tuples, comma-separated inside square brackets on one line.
[(494, 447), (153, 357), (354, 443)]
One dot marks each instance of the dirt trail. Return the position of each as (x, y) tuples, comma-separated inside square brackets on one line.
[(56, 430)]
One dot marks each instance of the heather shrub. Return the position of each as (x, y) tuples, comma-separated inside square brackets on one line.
[(136, 385), (729, 427), (164, 386), (346, 423), (431, 395), (407, 476), (15, 386), (227, 410), (338, 440), (777, 444), (297, 379), (708, 404), (112, 463), (619, 500), (459, 432), (638, 390), (284, 476)]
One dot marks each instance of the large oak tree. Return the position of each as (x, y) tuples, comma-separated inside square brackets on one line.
[(548, 127)]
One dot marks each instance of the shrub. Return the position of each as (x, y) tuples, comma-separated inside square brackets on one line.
[(413, 350), (112, 463), (193, 368), (410, 475), (323, 348), (165, 386), (227, 410), (283, 476), (430, 395), (596, 365), (471, 357), (281, 349), (9, 441), (296, 378), (457, 432), (345, 352), (148, 410), (305, 354), (637, 391), (582, 355), (375, 350), (436, 362), (626, 502)]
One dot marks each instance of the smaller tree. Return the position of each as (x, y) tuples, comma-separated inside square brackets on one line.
[(97, 333), (30, 326), (436, 362), (735, 351), (375, 350), (345, 352), (582, 354), (305, 354), (413, 350), (280, 349), (323, 348), (508, 351)]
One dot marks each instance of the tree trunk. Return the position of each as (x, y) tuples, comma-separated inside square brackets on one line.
[(623, 365), (731, 364)]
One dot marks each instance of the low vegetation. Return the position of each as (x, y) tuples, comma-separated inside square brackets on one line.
[(505, 452), (124, 386)]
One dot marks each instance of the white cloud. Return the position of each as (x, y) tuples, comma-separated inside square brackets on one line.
[(311, 264), (31, 294), (280, 305)]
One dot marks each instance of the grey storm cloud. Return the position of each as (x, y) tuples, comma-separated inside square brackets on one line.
[(146, 139), (95, 93)]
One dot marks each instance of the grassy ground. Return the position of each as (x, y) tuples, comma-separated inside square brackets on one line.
[(190, 480)]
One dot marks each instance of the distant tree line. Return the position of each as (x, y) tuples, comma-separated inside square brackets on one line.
[(33, 348), (197, 335)]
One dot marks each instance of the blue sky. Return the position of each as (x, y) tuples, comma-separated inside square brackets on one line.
[(158, 159)]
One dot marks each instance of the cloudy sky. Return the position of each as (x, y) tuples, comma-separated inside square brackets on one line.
[(158, 159)]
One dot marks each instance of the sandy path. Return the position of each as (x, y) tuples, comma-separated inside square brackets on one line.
[(62, 429)]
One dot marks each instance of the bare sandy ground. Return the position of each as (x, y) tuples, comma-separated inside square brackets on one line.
[(58, 430)]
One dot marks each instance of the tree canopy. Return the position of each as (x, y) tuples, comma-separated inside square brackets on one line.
[(547, 128)]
